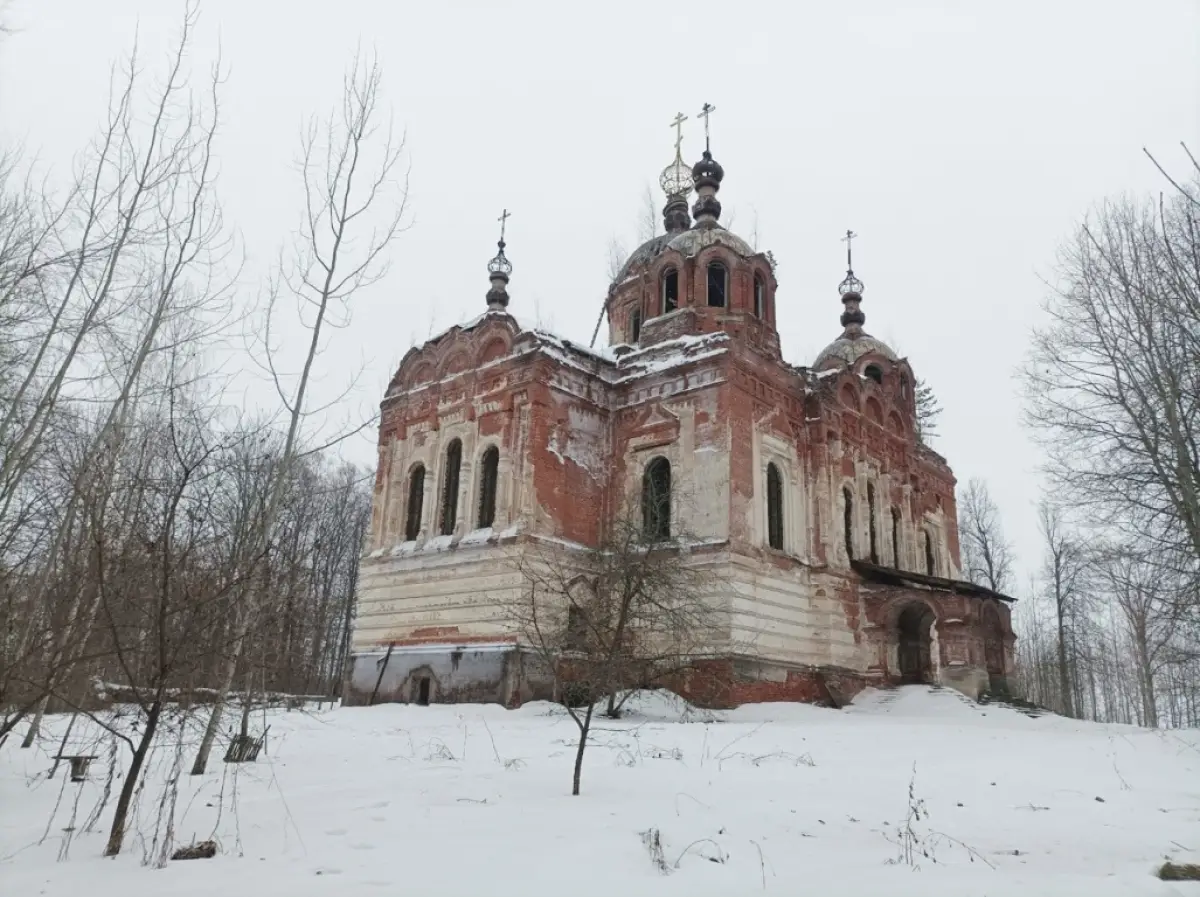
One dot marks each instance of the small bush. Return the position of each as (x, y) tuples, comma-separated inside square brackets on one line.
[(1179, 871)]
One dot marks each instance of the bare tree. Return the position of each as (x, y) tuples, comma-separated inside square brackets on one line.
[(1063, 578), (987, 555), (636, 611), (1113, 379), (350, 174)]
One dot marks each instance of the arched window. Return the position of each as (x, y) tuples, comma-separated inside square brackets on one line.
[(718, 281), (488, 475), (760, 296), (774, 508), (929, 564), (848, 511), (871, 515), (903, 387), (656, 499), (875, 372), (416, 498), (896, 538), (670, 290), (635, 325), (450, 490)]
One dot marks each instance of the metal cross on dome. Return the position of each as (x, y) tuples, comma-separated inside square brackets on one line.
[(705, 111), (677, 124), (850, 235), (503, 219)]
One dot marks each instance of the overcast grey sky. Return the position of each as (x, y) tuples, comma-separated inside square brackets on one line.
[(961, 140)]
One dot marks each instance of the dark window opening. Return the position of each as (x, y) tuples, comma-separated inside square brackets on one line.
[(871, 515), (896, 538), (848, 510), (487, 487), (576, 628), (904, 387), (635, 325), (450, 493), (774, 508), (874, 372), (423, 691), (670, 290), (718, 280), (760, 296), (929, 565), (416, 498), (656, 500)]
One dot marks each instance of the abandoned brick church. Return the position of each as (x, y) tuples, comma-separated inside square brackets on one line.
[(834, 527)]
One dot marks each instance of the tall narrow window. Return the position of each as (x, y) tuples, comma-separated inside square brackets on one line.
[(670, 290), (896, 538), (848, 511), (656, 499), (416, 498), (871, 516), (929, 565), (635, 325), (760, 296), (450, 492), (718, 281), (774, 508), (488, 475)]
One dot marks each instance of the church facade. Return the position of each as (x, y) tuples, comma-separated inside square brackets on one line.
[(832, 525)]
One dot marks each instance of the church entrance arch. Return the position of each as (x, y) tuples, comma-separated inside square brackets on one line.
[(914, 643)]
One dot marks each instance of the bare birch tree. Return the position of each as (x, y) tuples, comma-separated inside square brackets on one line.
[(986, 554), (355, 197)]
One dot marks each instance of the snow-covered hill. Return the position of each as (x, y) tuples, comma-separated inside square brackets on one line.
[(772, 798)]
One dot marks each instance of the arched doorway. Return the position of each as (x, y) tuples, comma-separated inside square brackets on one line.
[(914, 650)]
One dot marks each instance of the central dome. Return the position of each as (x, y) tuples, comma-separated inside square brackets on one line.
[(688, 243), (848, 349)]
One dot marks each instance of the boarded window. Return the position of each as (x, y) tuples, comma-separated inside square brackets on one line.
[(774, 508), (656, 499), (760, 296), (718, 282), (670, 290), (848, 512), (871, 515), (450, 490), (416, 499), (488, 476)]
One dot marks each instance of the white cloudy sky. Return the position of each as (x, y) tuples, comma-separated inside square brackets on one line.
[(960, 140)]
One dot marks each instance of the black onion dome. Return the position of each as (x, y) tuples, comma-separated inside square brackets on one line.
[(708, 172)]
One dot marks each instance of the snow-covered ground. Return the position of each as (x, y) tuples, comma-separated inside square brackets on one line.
[(775, 798)]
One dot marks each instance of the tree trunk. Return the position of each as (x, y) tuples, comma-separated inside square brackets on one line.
[(584, 729), (120, 816), (1064, 673)]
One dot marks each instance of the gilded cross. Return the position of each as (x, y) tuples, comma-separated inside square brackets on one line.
[(707, 110), (503, 219), (850, 235), (677, 124)]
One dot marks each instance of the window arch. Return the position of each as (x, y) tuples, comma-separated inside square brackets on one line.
[(416, 499), (760, 296), (774, 508), (718, 284), (450, 490), (871, 514), (896, 538), (656, 499), (848, 513), (875, 372), (670, 290), (635, 325), (489, 473), (930, 566)]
